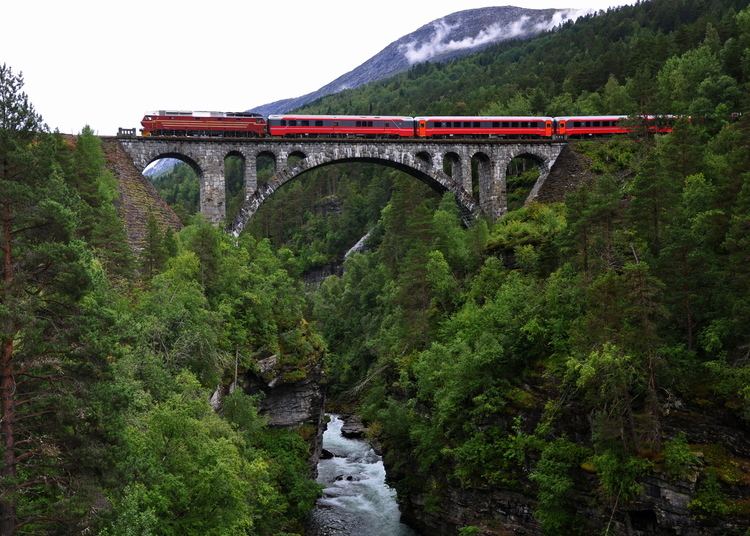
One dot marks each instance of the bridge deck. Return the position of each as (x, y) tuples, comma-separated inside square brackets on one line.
[(353, 140)]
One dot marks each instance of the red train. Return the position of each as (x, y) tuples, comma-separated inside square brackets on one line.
[(223, 124), (247, 125)]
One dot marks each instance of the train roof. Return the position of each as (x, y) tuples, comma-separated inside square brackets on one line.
[(591, 117), (615, 117), (204, 113), (483, 118), (331, 117)]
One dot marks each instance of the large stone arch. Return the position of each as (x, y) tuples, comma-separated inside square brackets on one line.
[(185, 159), (410, 162)]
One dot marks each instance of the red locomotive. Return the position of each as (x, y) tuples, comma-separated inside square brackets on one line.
[(223, 124), (246, 124)]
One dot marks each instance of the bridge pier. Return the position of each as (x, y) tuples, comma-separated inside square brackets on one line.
[(213, 191), (251, 175), (464, 174)]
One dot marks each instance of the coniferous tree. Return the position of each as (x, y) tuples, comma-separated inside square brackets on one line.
[(154, 253), (43, 278)]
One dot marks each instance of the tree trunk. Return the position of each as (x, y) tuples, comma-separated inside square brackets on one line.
[(7, 386)]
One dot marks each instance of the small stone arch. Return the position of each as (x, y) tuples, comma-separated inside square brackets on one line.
[(234, 153), (424, 157), (264, 166), (481, 175), (294, 158), (452, 164), (236, 177)]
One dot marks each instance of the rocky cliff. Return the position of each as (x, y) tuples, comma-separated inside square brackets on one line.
[(292, 392), (665, 504)]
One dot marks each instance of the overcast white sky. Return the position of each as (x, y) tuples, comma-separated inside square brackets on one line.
[(105, 63)]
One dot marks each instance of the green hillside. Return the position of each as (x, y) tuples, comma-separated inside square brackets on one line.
[(575, 359)]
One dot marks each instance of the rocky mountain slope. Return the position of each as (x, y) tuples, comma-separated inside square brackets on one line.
[(455, 35)]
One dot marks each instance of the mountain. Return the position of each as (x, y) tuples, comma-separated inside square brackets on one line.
[(160, 167), (451, 36)]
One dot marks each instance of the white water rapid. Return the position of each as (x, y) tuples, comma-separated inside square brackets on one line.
[(356, 500)]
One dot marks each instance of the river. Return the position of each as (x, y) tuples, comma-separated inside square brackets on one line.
[(356, 500)]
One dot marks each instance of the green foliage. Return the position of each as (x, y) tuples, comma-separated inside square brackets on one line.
[(618, 474), (155, 251), (179, 186), (710, 502), (99, 223), (234, 178), (678, 458), (324, 212), (554, 477), (476, 351), (113, 374)]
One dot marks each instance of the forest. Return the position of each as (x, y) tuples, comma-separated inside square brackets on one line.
[(109, 358), (574, 352), (574, 355)]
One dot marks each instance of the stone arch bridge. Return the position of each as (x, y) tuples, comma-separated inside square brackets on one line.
[(442, 164)]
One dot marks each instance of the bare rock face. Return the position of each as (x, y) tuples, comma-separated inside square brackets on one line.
[(487, 510), (353, 427), (293, 393)]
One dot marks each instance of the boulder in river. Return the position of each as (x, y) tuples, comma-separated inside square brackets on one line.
[(353, 427)]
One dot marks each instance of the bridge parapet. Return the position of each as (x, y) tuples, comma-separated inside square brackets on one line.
[(442, 164)]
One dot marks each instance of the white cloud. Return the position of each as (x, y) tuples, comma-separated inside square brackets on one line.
[(438, 44)]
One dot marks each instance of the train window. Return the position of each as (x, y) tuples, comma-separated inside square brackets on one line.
[(292, 122), (283, 122), (514, 124), (467, 124), (506, 124), (369, 123), (587, 123), (496, 124), (597, 124), (387, 124), (438, 124), (576, 123), (358, 124), (318, 123), (305, 123), (476, 124)]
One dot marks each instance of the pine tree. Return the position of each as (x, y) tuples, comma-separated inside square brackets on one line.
[(43, 278), (154, 253)]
